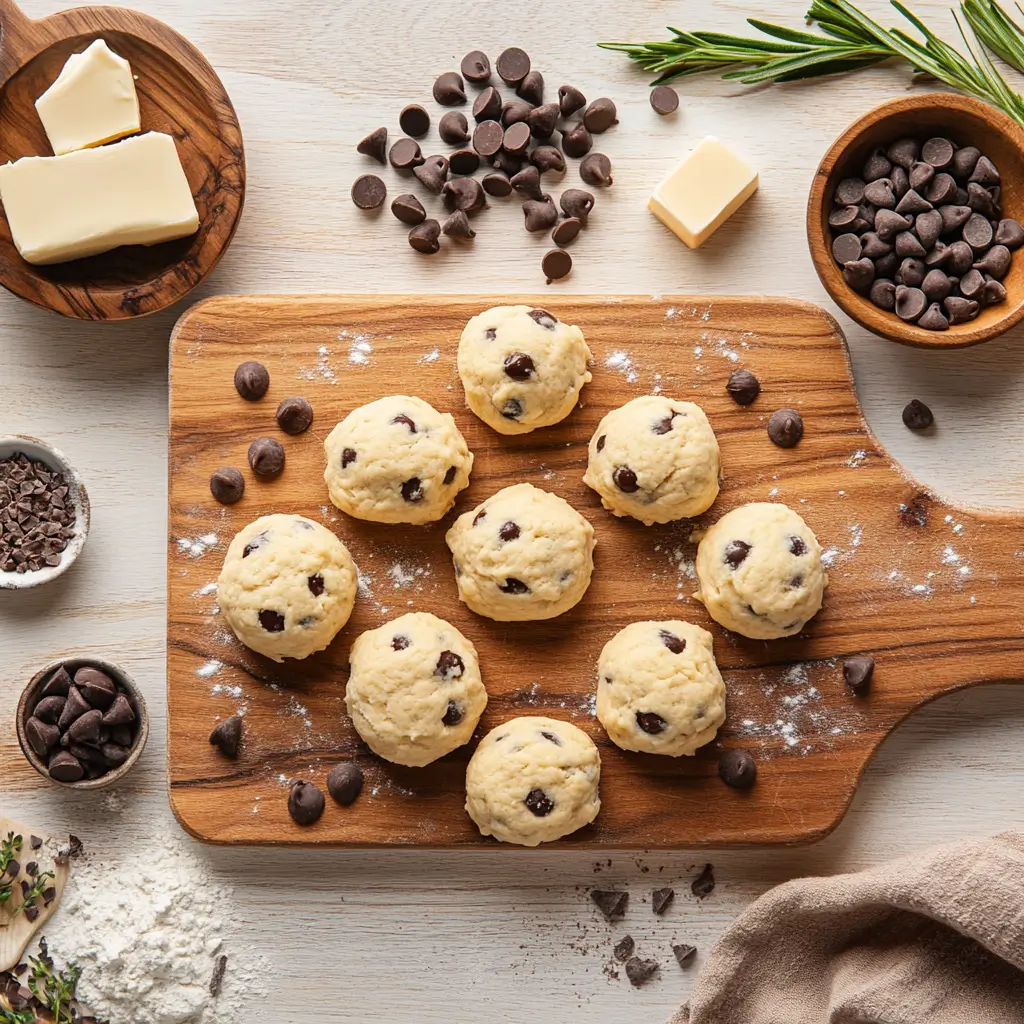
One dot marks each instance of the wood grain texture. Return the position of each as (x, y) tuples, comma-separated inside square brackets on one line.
[(180, 94), (898, 589), (967, 122)]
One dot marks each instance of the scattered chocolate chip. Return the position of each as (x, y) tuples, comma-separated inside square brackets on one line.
[(675, 644), (704, 884), (858, 672), (507, 163), (227, 736), (513, 65), (412, 490), (295, 415), (516, 139), (624, 948), (464, 161), (252, 381), (565, 232), (577, 140), (408, 209), (785, 428), (541, 121), (433, 173), (527, 183), (539, 803), (375, 145), (743, 387), (600, 115), (305, 803), (457, 226), (453, 128), (425, 237), (449, 89), (227, 485), (917, 415), (345, 783), (531, 88), (487, 106), (556, 264), (650, 722), (515, 112), (414, 121), (640, 971), (463, 194), (65, 767), (736, 768), (547, 158), (540, 214), (497, 184), (611, 902), (736, 552), (684, 953), (664, 99), (266, 457), (514, 586), (368, 192), (661, 900), (596, 169), (405, 154), (625, 479)]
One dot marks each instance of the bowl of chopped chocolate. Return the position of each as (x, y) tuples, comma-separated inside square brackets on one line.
[(44, 513), (82, 723), (915, 219)]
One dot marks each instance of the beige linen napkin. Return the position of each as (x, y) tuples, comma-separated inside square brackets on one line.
[(934, 938)]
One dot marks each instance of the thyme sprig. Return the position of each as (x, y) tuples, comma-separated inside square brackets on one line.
[(10, 868), (54, 989), (848, 41)]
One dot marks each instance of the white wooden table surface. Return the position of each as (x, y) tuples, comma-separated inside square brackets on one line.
[(432, 937)]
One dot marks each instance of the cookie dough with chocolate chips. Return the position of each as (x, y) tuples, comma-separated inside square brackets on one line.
[(760, 571), (414, 692), (397, 460), (522, 368), (533, 780), (659, 689), (655, 459), (523, 554), (287, 587)]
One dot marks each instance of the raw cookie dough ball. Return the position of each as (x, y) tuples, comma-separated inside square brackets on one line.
[(659, 689), (414, 692), (287, 586), (760, 571), (522, 368), (396, 460), (655, 459), (533, 780), (523, 554)]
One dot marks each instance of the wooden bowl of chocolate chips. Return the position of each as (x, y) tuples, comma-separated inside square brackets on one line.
[(82, 723), (914, 221)]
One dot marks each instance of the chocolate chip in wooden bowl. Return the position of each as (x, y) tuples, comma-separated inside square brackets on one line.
[(704, 884), (42, 736), (305, 803), (880, 193), (850, 191), (513, 65), (640, 970), (449, 89), (960, 310), (910, 303), (904, 152), (227, 736), (859, 274), (375, 145), (624, 948), (1010, 233), (664, 100), (96, 687), (531, 88), (661, 900), (556, 264), (984, 172), (414, 121), (453, 128), (917, 415), (294, 415), (596, 169), (227, 485), (266, 458), (848, 248), (566, 231), (408, 209), (743, 387), (74, 707), (457, 226), (995, 263), (858, 672), (345, 783), (488, 137), (577, 140), (785, 428), (611, 902), (684, 953), (425, 237), (876, 167), (65, 767), (405, 154), (883, 294), (938, 152), (58, 685), (737, 769), (933, 319), (252, 380), (920, 175)]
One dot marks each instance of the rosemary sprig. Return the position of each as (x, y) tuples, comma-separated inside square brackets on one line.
[(848, 40)]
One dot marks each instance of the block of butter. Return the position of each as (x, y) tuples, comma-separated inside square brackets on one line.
[(703, 192), (92, 102), (67, 207)]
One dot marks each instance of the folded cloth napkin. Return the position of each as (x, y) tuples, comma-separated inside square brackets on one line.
[(933, 938)]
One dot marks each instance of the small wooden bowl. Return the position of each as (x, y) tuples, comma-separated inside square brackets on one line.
[(11, 444), (30, 696), (968, 122), (180, 94)]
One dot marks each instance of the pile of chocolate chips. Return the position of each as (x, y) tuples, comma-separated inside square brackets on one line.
[(37, 515), (82, 727), (921, 232), (513, 144)]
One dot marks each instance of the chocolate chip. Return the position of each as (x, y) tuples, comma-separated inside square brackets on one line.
[(1009, 233), (903, 152), (661, 900), (49, 709), (640, 971), (463, 194), (941, 190), (368, 192), (375, 145), (883, 294), (345, 783), (348, 456), (42, 736), (120, 712), (433, 173), (888, 223), (449, 89), (664, 99), (531, 88), (227, 485), (936, 285), (266, 457), (928, 227), (453, 128), (294, 415), (736, 552), (844, 217), (96, 687), (227, 736), (541, 121), (271, 621), (663, 426), (512, 409), (596, 169), (651, 722), (917, 415), (704, 884), (514, 586), (984, 172), (797, 546), (880, 193), (849, 191), (736, 768), (933, 319), (405, 154), (576, 140), (305, 803), (785, 428), (624, 948), (252, 381), (938, 152), (425, 237), (86, 729), (453, 714), (993, 293), (412, 490), (978, 232), (980, 201), (848, 247), (743, 387), (487, 105), (910, 303), (570, 99), (74, 707), (556, 264), (539, 803), (859, 274), (995, 263), (57, 685), (65, 767), (547, 158), (858, 672), (516, 139), (675, 644), (408, 209), (611, 902), (684, 953), (960, 310), (527, 183), (414, 121), (464, 161), (540, 215), (399, 642), (600, 115), (457, 226), (566, 231), (515, 112), (625, 479), (449, 666), (513, 65)]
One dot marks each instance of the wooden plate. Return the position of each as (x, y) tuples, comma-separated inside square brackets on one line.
[(933, 591), (179, 93)]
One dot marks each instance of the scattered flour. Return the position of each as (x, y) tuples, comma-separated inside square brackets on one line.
[(430, 357), (323, 369), (857, 459), (207, 590), (624, 364), (208, 669), (196, 547), (360, 349)]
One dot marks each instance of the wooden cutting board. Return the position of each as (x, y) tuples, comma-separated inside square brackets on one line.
[(933, 591)]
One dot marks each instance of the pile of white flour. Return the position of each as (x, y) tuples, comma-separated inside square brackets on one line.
[(147, 926)]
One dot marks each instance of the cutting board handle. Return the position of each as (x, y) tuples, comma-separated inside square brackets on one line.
[(21, 39)]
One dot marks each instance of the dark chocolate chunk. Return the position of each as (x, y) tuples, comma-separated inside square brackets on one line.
[(704, 884), (556, 264), (57, 685), (414, 121), (42, 736), (120, 712), (676, 644), (49, 709), (540, 214), (625, 479), (375, 145), (531, 88), (295, 415), (457, 226), (425, 238), (412, 490), (565, 232), (475, 67), (345, 783), (227, 485), (449, 666), (624, 948), (453, 714), (743, 387), (684, 953), (487, 106), (449, 89), (661, 900), (737, 768), (408, 209), (405, 154), (65, 767), (611, 902), (917, 415), (785, 428), (650, 722), (664, 99), (266, 457), (369, 192), (514, 586), (858, 672), (539, 803), (640, 971), (227, 736), (596, 169), (271, 621), (453, 128), (305, 803), (576, 140), (513, 65), (252, 381)]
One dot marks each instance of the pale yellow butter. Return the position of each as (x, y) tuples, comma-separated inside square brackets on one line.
[(62, 208), (93, 101), (703, 192)]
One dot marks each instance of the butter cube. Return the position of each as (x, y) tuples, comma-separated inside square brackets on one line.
[(703, 192), (62, 208), (92, 102)]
